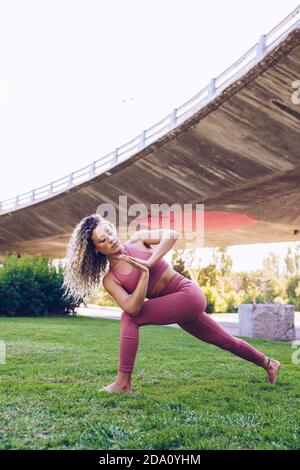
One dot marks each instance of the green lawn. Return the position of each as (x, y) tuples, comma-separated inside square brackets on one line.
[(187, 394)]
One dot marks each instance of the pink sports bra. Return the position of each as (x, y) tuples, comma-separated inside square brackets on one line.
[(129, 281)]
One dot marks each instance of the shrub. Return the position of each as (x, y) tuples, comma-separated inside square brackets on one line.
[(249, 299), (102, 298), (32, 286), (293, 291), (211, 298), (280, 300), (108, 301), (221, 304), (232, 302)]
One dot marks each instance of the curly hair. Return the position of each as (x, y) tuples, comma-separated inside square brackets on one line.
[(85, 267)]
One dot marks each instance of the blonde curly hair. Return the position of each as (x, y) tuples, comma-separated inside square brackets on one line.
[(85, 267)]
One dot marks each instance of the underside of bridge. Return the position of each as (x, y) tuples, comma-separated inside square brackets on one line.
[(239, 155)]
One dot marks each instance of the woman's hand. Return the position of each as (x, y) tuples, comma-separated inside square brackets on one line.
[(141, 264), (144, 262)]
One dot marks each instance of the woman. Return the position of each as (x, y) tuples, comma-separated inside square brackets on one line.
[(143, 273)]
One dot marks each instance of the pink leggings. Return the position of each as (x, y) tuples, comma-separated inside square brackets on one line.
[(182, 302)]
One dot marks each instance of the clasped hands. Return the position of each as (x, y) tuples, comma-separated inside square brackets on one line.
[(137, 262)]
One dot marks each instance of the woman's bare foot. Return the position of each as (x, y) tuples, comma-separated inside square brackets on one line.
[(116, 387), (273, 369)]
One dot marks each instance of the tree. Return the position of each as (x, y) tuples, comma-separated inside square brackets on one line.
[(293, 290), (208, 276), (192, 259), (192, 262), (222, 260), (179, 264), (271, 264), (290, 262), (271, 288), (250, 286), (297, 258)]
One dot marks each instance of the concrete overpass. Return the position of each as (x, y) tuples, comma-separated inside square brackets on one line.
[(234, 147)]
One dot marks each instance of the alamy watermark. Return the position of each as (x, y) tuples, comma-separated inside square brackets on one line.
[(187, 219), (296, 354), (296, 94)]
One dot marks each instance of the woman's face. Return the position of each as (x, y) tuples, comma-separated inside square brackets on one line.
[(105, 239)]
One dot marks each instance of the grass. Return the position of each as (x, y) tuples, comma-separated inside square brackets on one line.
[(187, 394)]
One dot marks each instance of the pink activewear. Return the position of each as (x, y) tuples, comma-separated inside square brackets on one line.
[(182, 302), (129, 281)]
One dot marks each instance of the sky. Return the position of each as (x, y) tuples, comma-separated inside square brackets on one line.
[(80, 78)]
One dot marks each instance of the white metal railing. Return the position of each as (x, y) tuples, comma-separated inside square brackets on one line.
[(265, 44)]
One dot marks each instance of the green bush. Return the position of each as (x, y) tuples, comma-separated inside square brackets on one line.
[(293, 291), (32, 286), (280, 300), (102, 298), (108, 301), (232, 302), (249, 299), (211, 298), (221, 304)]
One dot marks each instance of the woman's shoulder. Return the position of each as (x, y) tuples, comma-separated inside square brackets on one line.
[(110, 277)]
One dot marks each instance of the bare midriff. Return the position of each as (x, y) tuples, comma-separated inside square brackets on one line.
[(164, 278), (163, 281)]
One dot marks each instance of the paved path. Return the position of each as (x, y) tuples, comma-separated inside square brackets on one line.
[(229, 321)]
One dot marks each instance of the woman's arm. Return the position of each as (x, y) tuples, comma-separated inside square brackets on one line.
[(137, 298), (130, 303), (164, 237)]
